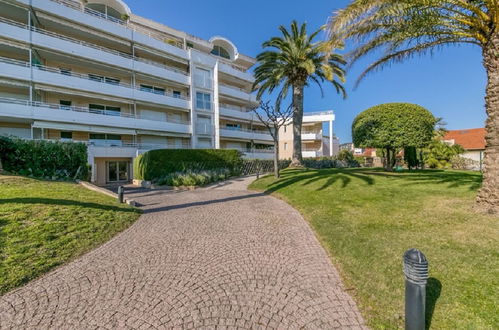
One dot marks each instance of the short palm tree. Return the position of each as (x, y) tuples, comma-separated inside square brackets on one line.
[(399, 29), (294, 61)]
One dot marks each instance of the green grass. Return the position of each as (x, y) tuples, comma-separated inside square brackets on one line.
[(44, 224), (367, 219)]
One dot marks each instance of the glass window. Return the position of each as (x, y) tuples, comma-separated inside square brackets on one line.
[(67, 135), (96, 108), (159, 90), (203, 101), (64, 105), (65, 71), (177, 94), (97, 136), (112, 81), (113, 111), (220, 51), (95, 77), (113, 137), (235, 127), (146, 88)]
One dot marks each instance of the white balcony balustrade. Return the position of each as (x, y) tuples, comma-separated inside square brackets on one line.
[(75, 47)]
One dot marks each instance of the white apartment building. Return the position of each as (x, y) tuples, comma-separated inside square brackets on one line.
[(315, 142), (91, 71)]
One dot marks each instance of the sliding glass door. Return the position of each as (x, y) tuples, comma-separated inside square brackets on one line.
[(117, 171)]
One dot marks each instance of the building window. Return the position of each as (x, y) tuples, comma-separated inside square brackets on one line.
[(285, 146), (152, 89), (107, 80), (103, 109), (203, 101), (202, 78), (233, 127), (220, 51), (177, 94), (112, 81), (65, 71), (64, 105), (285, 128), (66, 135), (105, 139)]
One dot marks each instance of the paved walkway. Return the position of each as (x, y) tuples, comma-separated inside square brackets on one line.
[(218, 257)]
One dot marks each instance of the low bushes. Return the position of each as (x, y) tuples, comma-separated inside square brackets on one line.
[(194, 178), (330, 162), (44, 159), (156, 164)]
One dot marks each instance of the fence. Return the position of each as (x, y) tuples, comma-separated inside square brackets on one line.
[(254, 166)]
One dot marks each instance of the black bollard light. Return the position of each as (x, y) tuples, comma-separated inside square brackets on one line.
[(121, 193), (416, 277)]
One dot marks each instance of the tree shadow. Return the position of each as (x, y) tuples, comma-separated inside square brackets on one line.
[(65, 202), (307, 177), (433, 290)]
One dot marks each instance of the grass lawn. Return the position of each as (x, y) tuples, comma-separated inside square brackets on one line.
[(44, 224), (367, 219)]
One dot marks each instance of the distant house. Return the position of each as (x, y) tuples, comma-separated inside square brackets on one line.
[(472, 140)]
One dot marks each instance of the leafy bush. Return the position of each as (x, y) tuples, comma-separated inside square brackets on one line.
[(439, 154), (44, 159), (340, 161), (194, 178), (156, 164)]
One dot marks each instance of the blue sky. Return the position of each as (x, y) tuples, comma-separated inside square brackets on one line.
[(450, 83)]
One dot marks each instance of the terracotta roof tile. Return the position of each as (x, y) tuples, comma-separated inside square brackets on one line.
[(469, 139)]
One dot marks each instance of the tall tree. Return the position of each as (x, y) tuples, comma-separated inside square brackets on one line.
[(294, 61), (399, 29)]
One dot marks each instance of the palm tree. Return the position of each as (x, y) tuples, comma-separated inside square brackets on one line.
[(294, 61), (399, 29)]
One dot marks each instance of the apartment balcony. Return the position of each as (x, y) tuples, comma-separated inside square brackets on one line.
[(17, 108), (311, 136), (256, 153), (227, 110), (237, 93), (311, 153), (89, 51), (56, 77), (235, 71), (243, 134), (204, 129), (119, 149), (73, 11)]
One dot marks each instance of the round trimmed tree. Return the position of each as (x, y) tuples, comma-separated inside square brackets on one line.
[(393, 126)]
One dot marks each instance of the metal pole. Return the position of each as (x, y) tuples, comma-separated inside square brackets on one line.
[(416, 277), (121, 193)]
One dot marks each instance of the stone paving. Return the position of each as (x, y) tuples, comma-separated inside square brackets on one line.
[(220, 257)]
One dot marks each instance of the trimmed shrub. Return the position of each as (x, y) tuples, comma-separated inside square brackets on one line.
[(44, 159), (193, 178), (340, 161), (156, 164)]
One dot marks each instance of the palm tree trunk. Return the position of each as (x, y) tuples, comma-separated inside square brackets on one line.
[(297, 158), (488, 196)]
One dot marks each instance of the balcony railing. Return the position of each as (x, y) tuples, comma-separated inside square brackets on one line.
[(157, 36), (52, 106), (91, 45), (88, 76), (233, 107), (235, 88), (238, 129)]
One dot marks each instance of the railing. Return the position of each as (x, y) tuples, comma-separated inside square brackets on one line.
[(103, 16), (235, 88), (87, 76), (88, 44), (233, 107), (53, 106), (237, 129), (319, 113)]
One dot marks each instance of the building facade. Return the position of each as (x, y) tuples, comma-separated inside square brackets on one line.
[(92, 72), (472, 140), (315, 143)]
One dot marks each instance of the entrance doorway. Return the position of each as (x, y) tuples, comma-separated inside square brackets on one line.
[(118, 171)]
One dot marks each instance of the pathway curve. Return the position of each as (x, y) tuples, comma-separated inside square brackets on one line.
[(218, 257)]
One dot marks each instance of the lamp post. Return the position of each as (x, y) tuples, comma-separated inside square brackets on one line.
[(416, 277)]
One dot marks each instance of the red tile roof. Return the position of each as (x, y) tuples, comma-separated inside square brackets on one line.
[(469, 139)]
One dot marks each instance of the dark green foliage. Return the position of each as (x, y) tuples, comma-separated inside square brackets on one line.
[(194, 178), (156, 164), (411, 157), (344, 159), (393, 126), (44, 159)]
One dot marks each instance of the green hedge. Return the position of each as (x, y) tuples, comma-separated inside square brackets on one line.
[(156, 164), (44, 159)]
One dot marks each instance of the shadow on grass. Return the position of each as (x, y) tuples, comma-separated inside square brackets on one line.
[(65, 202), (433, 289), (331, 176)]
